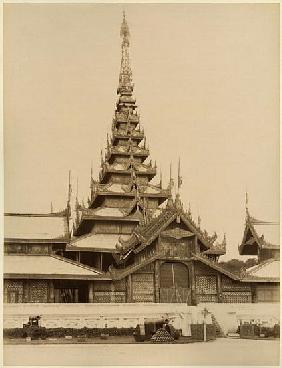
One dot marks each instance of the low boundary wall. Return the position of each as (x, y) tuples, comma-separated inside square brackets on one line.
[(99, 315), (229, 316), (128, 315)]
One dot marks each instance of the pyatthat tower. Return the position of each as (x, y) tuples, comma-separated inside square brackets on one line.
[(125, 247), (123, 197)]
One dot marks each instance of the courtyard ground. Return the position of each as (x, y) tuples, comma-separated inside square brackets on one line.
[(219, 352)]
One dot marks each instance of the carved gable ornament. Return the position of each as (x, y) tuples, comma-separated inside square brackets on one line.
[(176, 233)]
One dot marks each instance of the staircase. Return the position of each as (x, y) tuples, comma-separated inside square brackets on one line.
[(218, 329)]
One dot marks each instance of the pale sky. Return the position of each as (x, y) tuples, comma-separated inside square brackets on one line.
[(207, 86)]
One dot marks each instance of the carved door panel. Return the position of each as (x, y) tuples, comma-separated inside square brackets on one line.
[(174, 283)]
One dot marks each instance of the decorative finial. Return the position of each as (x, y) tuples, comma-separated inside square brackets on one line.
[(69, 196), (247, 201), (51, 207), (189, 209), (161, 179), (91, 177), (178, 203), (76, 188), (102, 159), (179, 178), (171, 181), (69, 188), (125, 77), (124, 30), (199, 221)]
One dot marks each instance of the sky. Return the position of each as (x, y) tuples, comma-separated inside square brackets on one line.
[(207, 87)]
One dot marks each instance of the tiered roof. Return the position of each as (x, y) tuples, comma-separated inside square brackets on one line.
[(123, 190)]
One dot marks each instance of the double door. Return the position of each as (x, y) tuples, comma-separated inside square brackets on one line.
[(174, 283)]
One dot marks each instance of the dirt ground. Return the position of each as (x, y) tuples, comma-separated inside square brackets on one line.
[(219, 352)]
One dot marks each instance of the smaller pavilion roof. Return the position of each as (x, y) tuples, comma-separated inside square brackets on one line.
[(97, 241), (46, 267), (259, 235), (35, 226), (268, 270)]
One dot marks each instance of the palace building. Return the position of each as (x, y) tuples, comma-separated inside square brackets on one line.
[(134, 242)]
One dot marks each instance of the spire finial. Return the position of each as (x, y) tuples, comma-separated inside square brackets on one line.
[(69, 197), (199, 221), (69, 188), (247, 204), (125, 76), (179, 178), (76, 188), (51, 207)]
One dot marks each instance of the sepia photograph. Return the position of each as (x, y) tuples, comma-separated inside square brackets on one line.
[(141, 184)]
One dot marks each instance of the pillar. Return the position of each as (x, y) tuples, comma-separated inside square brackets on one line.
[(51, 298), (90, 292), (129, 289), (157, 281), (193, 284), (219, 288)]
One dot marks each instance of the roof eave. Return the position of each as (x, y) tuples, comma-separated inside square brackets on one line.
[(54, 276)]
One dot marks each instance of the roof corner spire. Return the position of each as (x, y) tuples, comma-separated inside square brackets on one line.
[(247, 205)]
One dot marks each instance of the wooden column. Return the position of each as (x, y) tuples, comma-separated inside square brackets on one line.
[(25, 291), (76, 295), (157, 281), (219, 288), (101, 261), (129, 289), (193, 284), (90, 292), (51, 298), (254, 293), (78, 257)]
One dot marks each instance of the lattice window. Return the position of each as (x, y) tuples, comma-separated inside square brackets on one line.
[(207, 298), (13, 292), (143, 287), (38, 249), (237, 297), (229, 284), (206, 284), (38, 291), (120, 285), (15, 248), (109, 297), (102, 285)]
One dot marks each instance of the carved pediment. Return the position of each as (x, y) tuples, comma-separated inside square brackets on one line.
[(177, 233)]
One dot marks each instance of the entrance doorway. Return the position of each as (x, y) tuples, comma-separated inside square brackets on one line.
[(174, 283)]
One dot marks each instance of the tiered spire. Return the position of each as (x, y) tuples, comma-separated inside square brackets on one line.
[(125, 77), (124, 187)]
